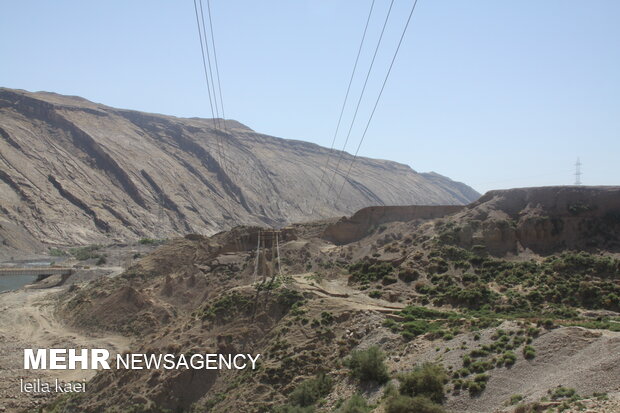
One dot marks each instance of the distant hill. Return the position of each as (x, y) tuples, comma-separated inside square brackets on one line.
[(74, 171)]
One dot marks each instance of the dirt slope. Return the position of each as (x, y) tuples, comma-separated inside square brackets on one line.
[(27, 320), (522, 325), (74, 171)]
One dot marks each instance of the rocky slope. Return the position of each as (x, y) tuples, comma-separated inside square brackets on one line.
[(540, 220), (74, 171), (535, 329)]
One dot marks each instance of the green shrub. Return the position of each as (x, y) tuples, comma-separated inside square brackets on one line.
[(509, 358), (85, 253), (529, 352), (365, 272), (406, 404), (427, 380), (563, 393), (310, 391), (481, 366), (226, 308), (458, 383), (408, 275), (464, 372), (57, 252), (476, 387), (412, 329), (514, 399), (326, 318), (481, 378), (375, 294), (368, 365), (355, 404)]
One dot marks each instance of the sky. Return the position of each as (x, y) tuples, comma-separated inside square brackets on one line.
[(495, 94)]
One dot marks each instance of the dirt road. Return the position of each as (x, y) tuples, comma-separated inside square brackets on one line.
[(337, 289)]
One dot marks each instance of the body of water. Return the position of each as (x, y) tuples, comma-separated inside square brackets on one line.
[(13, 282)]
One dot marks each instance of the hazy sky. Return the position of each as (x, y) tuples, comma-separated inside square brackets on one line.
[(492, 93)]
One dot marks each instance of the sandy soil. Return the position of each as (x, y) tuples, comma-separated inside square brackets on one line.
[(27, 321)]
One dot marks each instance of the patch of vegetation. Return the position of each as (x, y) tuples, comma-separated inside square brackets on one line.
[(355, 404), (562, 393), (406, 404), (368, 365), (326, 318), (529, 352), (476, 387), (365, 272), (421, 320), (605, 323), (514, 399), (85, 253), (226, 308), (287, 298), (579, 208), (57, 252), (508, 358), (553, 289), (310, 391), (375, 294), (426, 380)]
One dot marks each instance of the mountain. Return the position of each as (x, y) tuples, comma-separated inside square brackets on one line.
[(77, 172)]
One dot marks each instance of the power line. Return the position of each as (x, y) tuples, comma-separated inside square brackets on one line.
[(225, 163), (204, 33), (360, 98), (378, 97), (204, 62), (344, 103), (217, 69), (219, 85), (217, 113), (208, 70)]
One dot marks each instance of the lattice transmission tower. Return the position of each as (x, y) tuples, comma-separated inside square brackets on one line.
[(578, 172)]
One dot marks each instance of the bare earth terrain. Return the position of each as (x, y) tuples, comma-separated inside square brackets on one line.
[(513, 299), (27, 320)]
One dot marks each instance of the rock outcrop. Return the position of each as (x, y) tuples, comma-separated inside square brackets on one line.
[(356, 227), (543, 220)]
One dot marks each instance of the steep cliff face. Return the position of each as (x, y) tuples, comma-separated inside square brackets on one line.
[(543, 220), (352, 229), (73, 171)]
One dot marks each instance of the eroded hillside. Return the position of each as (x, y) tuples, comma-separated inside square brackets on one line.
[(368, 323), (77, 172)]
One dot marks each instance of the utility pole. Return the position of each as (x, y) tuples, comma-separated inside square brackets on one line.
[(578, 172)]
